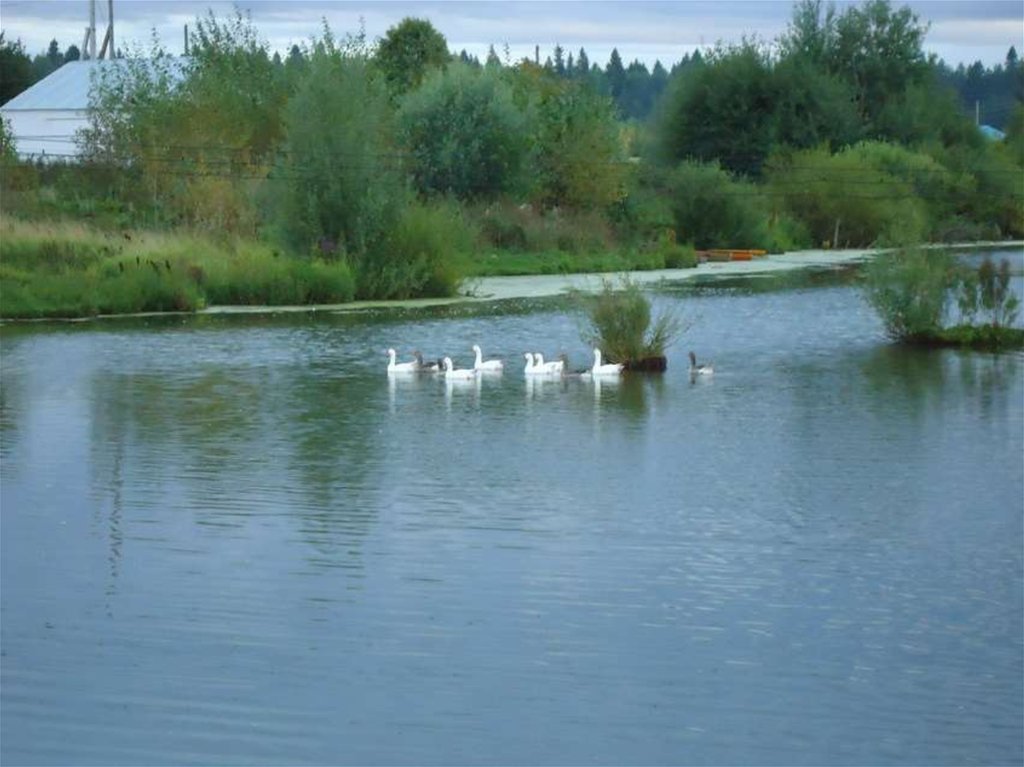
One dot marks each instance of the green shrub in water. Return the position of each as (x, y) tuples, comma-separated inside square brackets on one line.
[(621, 326), (910, 290)]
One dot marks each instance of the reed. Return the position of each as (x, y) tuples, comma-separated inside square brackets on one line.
[(620, 323), (67, 269)]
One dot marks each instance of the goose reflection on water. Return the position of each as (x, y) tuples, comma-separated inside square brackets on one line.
[(456, 387)]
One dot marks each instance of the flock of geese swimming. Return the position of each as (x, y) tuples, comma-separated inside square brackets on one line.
[(535, 366)]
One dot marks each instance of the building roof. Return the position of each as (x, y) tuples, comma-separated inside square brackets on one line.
[(66, 88), (992, 134)]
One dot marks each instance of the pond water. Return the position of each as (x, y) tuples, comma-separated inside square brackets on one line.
[(233, 540)]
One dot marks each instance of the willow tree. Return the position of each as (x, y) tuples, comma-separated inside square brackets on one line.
[(579, 155), (464, 134), (199, 132), (338, 185)]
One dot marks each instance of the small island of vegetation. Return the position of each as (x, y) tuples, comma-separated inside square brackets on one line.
[(913, 291), (618, 321)]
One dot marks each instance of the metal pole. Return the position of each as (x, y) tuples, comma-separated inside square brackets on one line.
[(92, 29)]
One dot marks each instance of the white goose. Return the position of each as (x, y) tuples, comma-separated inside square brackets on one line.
[(490, 366), (700, 370), (462, 374), (608, 369), (400, 367), (551, 368)]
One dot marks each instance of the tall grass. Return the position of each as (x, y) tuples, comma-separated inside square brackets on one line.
[(70, 270), (619, 322), (424, 255)]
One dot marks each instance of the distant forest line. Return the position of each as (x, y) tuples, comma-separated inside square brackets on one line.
[(990, 92)]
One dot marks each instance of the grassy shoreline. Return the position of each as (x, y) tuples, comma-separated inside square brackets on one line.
[(70, 271), (992, 338)]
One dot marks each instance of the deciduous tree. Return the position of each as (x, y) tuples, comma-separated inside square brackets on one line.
[(409, 51)]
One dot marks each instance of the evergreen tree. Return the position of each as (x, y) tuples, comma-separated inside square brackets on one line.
[(72, 53), (493, 62), (559, 61), (582, 65), (53, 54), (15, 69), (615, 74)]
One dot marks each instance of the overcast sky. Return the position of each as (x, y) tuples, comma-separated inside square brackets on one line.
[(960, 30)]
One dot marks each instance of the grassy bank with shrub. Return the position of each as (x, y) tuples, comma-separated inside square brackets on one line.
[(72, 270)]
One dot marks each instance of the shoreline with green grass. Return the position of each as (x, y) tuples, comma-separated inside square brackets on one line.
[(69, 272)]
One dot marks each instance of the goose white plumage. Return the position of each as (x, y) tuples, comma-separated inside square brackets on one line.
[(700, 370), (608, 369), (531, 368), (488, 366), (462, 374), (551, 368), (400, 367)]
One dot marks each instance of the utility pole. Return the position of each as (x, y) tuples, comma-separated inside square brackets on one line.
[(108, 38), (89, 43)]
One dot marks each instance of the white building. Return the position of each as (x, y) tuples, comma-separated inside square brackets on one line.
[(45, 118)]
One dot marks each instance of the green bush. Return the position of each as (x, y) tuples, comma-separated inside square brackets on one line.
[(425, 254), (910, 291), (619, 323), (713, 210), (991, 192), (464, 134), (339, 190), (672, 255), (524, 228), (721, 111), (88, 293), (862, 196), (643, 215)]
